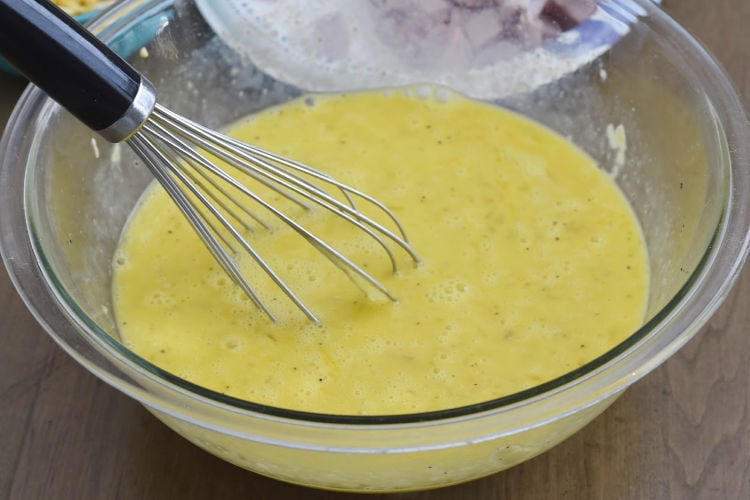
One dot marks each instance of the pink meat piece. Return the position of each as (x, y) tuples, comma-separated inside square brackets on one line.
[(481, 21), (472, 32), (568, 14)]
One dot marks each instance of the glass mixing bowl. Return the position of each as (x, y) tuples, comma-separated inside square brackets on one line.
[(65, 195)]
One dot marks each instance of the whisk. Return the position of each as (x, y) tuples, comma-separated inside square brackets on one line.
[(110, 97)]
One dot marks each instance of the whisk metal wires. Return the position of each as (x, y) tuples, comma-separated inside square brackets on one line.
[(115, 100), (174, 149)]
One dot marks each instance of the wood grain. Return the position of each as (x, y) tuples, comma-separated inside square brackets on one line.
[(681, 433)]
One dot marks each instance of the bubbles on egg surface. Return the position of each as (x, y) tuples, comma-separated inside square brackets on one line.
[(160, 298), (375, 345), (218, 279), (443, 376), (443, 94), (487, 246), (423, 91), (232, 343), (306, 392), (121, 258), (450, 291)]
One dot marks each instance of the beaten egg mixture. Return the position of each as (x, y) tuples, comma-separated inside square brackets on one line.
[(533, 264)]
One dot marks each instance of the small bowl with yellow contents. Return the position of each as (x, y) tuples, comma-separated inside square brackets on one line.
[(577, 196)]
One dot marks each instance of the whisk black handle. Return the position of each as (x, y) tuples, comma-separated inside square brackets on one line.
[(75, 68)]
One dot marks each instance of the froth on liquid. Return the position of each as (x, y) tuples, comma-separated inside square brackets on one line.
[(533, 265)]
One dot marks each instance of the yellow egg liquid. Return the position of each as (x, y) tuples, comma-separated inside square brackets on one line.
[(533, 264)]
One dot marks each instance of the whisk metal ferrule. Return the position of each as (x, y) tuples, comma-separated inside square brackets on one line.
[(135, 116)]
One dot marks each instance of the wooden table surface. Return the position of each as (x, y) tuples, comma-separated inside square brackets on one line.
[(682, 432)]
